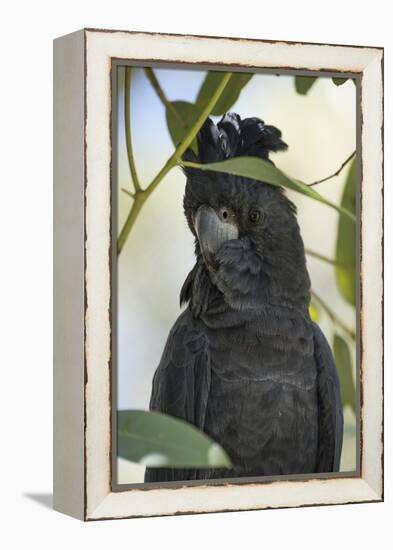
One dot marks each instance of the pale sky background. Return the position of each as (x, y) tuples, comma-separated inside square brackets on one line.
[(320, 130)]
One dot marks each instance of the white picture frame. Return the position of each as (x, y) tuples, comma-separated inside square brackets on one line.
[(83, 254)]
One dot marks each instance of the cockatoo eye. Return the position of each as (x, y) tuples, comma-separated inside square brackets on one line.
[(255, 215)]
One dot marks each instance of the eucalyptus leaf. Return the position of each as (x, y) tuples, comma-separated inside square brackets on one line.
[(346, 241), (230, 94), (304, 83), (180, 118), (158, 440), (265, 172), (342, 356)]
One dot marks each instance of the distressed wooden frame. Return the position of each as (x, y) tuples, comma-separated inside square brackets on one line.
[(83, 255)]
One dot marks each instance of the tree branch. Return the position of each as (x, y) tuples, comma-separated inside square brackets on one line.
[(142, 195), (336, 173), (191, 134), (127, 124)]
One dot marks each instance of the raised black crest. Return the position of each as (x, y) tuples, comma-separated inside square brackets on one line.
[(234, 137)]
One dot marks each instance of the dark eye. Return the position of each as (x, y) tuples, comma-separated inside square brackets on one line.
[(254, 215)]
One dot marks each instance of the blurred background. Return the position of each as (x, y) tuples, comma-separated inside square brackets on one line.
[(320, 130)]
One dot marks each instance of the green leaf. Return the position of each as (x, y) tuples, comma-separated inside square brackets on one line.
[(342, 357), (346, 241), (314, 312), (339, 81), (158, 440), (230, 94), (180, 118), (264, 171), (304, 83)]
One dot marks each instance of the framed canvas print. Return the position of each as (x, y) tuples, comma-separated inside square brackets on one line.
[(218, 274)]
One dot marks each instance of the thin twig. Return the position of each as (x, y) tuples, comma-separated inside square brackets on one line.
[(127, 192), (161, 94), (332, 315), (127, 123), (320, 257), (336, 173), (143, 195)]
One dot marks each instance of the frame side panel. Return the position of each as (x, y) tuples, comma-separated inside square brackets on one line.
[(372, 274), (68, 242)]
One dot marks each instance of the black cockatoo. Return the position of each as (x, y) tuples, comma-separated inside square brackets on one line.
[(244, 362)]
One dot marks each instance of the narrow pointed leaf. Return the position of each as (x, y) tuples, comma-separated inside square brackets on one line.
[(230, 94), (342, 356), (158, 440), (346, 241), (304, 83), (265, 172)]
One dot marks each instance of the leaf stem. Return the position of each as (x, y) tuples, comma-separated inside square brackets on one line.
[(127, 123), (189, 164), (161, 94), (336, 173), (333, 317), (142, 195)]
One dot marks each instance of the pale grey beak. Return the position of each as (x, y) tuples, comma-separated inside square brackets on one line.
[(212, 232)]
